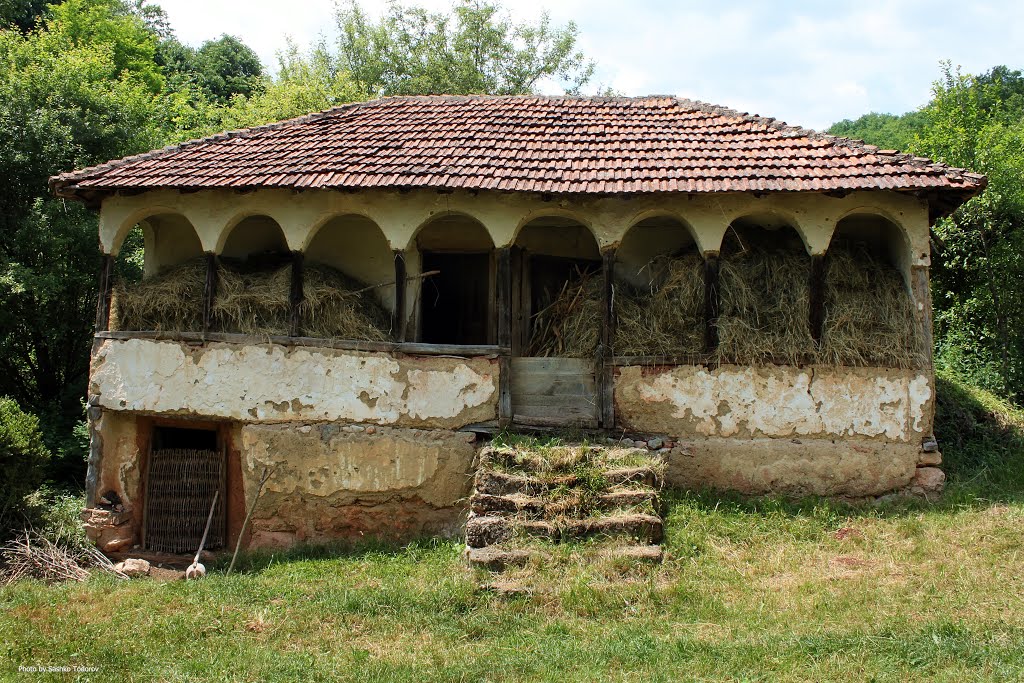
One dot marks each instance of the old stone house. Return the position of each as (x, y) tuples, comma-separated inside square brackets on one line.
[(644, 266)]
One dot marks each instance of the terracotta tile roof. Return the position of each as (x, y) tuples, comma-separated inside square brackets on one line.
[(526, 144)]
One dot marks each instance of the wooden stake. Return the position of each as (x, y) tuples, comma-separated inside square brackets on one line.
[(267, 472)]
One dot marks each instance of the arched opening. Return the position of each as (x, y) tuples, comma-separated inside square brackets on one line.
[(869, 312), (557, 290), (348, 282), (455, 303), (254, 280), (764, 293), (159, 277), (659, 291)]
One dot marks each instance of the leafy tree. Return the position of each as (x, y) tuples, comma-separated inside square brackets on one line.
[(219, 69), (474, 49), (22, 14), (23, 458), (71, 94), (978, 123)]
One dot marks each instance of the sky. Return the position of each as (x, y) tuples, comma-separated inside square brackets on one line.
[(806, 62)]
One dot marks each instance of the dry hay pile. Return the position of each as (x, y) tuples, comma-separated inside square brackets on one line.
[(337, 306), (252, 301), (571, 325), (869, 315), (665, 321), (764, 314), (169, 302)]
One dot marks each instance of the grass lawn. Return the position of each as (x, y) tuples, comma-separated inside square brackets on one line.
[(754, 590)]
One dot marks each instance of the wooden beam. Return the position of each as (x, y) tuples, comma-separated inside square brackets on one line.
[(106, 292), (712, 302), (819, 270), (504, 306), (401, 317), (295, 298), (209, 292), (605, 369)]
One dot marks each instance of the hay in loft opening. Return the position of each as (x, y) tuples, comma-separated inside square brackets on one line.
[(171, 301), (339, 307), (764, 289), (253, 296), (666, 319), (663, 320), (869, 314)]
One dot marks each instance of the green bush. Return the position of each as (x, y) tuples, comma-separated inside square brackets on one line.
[(23, 460)]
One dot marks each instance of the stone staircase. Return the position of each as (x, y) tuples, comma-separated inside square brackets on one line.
[(526, 499)]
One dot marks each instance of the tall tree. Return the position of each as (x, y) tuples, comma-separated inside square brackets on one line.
[(473, 49)]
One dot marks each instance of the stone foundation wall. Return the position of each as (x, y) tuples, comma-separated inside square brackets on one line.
[(333, 481)]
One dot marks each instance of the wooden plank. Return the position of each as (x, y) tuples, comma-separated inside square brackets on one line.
[(516, 314), (553, 365), (712, 302), (605, 378), (504, 298), (295, 296), (574, 402), (505, 412), (105, 293), (401, 317), (548, 386), (209, 292), (819, 270)]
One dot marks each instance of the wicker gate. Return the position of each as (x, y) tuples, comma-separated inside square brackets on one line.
[(180, 488)]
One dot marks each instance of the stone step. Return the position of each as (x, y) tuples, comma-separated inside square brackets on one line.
[(495, 558), (647, 528), (649, 554), (519, 504), (502, 484), (487, 530)]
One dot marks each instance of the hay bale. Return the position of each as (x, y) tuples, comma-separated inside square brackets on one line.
[(169, 302), (869, 314), (337, 306), (667, 320), (764, 306), (250, 301)]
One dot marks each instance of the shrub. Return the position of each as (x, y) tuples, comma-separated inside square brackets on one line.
[(23, 460)]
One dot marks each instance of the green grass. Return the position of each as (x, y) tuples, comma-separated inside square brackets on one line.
[(755, 590)]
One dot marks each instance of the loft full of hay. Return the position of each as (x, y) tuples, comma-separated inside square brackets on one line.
[(252, 299), (763, 302)]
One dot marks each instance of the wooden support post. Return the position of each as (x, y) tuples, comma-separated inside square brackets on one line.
[(401, 316), (712, 302), (295, 299), (209, 292), (819, 270), (504, 306), (106, 291), (606, 376)]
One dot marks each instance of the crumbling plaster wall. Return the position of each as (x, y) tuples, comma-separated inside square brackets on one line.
[(346, 481), (274, 383), (776, 402)]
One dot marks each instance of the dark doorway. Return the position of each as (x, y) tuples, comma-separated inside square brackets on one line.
[(455, 303)]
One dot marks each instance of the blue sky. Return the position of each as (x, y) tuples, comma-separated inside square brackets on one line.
[(807, 63)]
